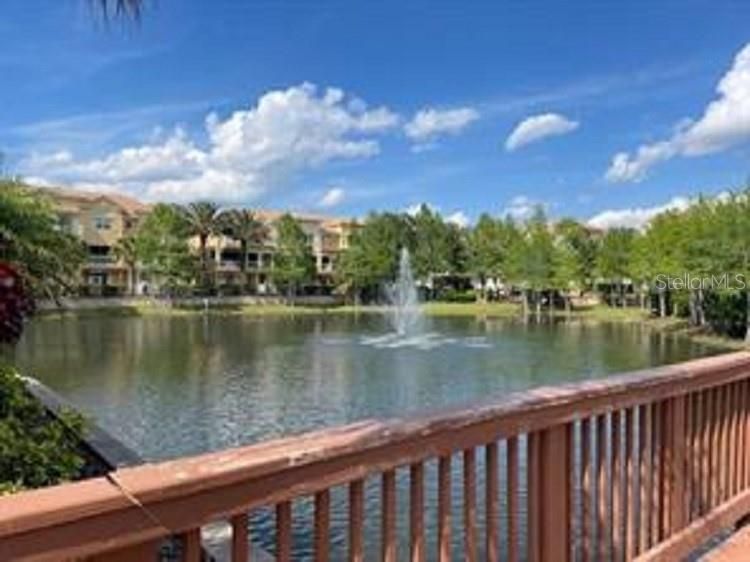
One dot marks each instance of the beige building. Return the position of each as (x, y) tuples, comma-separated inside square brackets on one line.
[(102, 219), (326, 235)]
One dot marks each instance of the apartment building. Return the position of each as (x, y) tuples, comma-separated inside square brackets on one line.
[(327, 237), (102, 219)]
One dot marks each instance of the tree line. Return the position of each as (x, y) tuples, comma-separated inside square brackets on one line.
[(692, 263), (542, 263)]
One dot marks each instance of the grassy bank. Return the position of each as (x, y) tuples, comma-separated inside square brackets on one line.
[(435, 309)]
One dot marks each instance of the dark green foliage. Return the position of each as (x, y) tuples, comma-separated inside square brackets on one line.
[(202, 220), (35, 449), (372, 256), (247, 229), (33, 242), (294, 263), (162, 247)]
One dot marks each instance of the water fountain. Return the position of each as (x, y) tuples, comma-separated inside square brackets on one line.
[(408, 326), (405, 315)]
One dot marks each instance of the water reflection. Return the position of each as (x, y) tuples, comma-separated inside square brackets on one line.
[(170, 386), (184, 385)]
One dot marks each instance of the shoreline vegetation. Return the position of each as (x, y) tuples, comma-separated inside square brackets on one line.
[(507, 310)]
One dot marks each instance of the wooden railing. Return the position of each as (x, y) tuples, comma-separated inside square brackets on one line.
[(647, 465)]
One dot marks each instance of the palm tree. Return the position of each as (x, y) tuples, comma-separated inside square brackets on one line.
[(126, 251), (244, 226), (203, 219), (126, 8)]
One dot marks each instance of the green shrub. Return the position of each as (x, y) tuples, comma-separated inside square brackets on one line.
[(454, 295), (36, 449)]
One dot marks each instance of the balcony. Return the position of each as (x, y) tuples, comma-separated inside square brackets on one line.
[(646, 465), (101, 259)]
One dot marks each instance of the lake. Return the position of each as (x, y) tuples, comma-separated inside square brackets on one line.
[(177, 385)]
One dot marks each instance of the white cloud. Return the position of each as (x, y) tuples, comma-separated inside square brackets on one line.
[(538, 127), (521, 207), (725, 124), (250, 152), (429, 124), (459, 218), (332, 197), (635, 217)]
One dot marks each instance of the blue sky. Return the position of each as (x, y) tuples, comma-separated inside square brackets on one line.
[(343, 107)]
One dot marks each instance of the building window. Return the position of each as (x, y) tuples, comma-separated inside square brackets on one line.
[(102, 223)]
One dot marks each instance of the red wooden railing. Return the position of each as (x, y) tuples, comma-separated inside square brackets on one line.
[(644, 466)]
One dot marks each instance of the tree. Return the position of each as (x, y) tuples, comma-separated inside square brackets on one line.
[(203, 219), (294, 263), (614, 260), (535, 258), (431, 251), (567, 269), (120, 8), (491, 244), (244, 226), (583, 242), (32, 241), (372, 256), (664, 248), (162, 247), (126, 250)]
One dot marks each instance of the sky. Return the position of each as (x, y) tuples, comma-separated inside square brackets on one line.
[(603, 111)]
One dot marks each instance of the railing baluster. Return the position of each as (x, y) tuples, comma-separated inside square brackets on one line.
[(602, 462), (284, 532), (738, 438), (646, 479), (745, 433), (631, 490), (470, 506), (444, 509), (416, 512), (555, 494), (689, 456), (706, 451), (657, 485), (586, 489), (667, 488), (677, 519), (731, 440), (191, 542), (356, 520), (723, 443), (716, 448), (512, 468), (533, 496), (616, 486), (696, 457), (240, 539), (491, 502), (388, 514), (322, 525)]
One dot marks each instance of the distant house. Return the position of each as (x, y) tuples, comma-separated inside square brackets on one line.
[(102, 219)]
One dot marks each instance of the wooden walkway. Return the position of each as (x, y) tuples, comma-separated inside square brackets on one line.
[(735, 549)]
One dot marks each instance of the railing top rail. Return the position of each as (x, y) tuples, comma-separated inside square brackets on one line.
[(183, 493)]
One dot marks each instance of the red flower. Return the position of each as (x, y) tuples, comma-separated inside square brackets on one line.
[(15, 304)]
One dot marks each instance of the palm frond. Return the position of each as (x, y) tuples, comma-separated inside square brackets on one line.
[(130, 9)]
